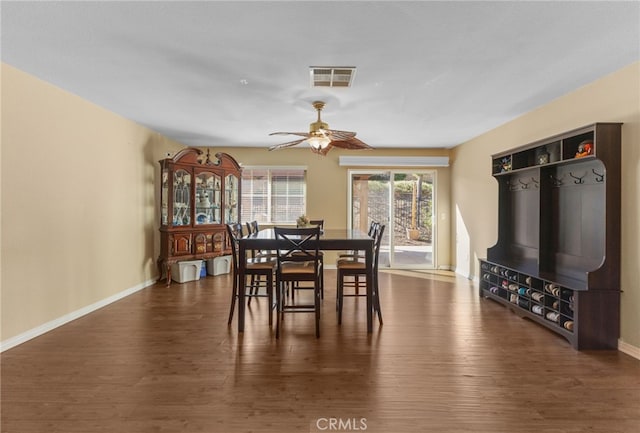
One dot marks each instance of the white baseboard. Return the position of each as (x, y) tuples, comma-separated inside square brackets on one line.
[(629, 349), (46, 327)]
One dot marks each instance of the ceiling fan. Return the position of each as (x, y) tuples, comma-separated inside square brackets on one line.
[(321, 138)]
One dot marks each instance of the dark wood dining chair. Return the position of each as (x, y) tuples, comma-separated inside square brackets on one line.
[(359, 254), (259, 270), (355, 266), (258, 281), (318, 223), (252, 228), (298, 261), (372, 228)]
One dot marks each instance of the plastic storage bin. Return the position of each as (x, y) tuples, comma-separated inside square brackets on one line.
[(189, 270), (219, 265)]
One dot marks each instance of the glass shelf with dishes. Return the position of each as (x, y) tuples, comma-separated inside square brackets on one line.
[(208, 195), (164, 198), (231, 199), (181, 198)]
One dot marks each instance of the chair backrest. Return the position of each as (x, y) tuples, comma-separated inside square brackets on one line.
[(234, 232), (377, 241), (372, 228), (298, 245), (252, 227)]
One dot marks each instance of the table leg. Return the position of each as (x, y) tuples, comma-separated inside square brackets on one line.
[(242, 260), (369, 265)]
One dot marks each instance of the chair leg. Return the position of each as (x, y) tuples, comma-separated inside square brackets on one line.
[(379, 312), (233, 306), (321, 278), (251, 288), (279, 296), (337, 290), (318, 295), (234, 295), (376, 306), (340, 296), (270, 298), (376, 299)]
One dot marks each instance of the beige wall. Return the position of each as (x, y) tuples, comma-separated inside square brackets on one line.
[(615, 98), (78, 206), (327, 184)]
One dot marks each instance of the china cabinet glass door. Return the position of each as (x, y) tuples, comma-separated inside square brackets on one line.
[(164, 198), (207, 200), (231, 199), (181, 198)]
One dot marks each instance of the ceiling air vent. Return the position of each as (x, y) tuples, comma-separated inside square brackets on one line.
[(332, 76)]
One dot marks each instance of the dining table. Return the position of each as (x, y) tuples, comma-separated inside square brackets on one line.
[(330, 239)]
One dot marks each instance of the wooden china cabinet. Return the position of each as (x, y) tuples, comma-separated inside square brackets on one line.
[(198, 196)]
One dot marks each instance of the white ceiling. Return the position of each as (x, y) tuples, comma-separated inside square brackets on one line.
[(429, 74)]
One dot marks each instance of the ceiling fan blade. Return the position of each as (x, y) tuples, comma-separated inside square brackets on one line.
[(301, 134), (287, 144), (350, 143), (340, 135)]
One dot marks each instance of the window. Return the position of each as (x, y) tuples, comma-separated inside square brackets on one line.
[(273, 195)]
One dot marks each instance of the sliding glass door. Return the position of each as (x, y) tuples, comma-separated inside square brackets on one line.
[(369, 198), (404, 202)]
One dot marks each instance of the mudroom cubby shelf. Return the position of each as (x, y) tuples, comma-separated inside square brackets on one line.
[(557, 258)]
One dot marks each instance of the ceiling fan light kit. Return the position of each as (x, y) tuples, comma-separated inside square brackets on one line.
[(320, 138)]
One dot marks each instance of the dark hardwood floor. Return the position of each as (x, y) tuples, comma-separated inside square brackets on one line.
[(164, 360)]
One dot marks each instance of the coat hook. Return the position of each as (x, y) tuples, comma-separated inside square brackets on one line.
[(579, 179), (525, 185), (556, 181), (511, 186), (600, 177), (534, 181)]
